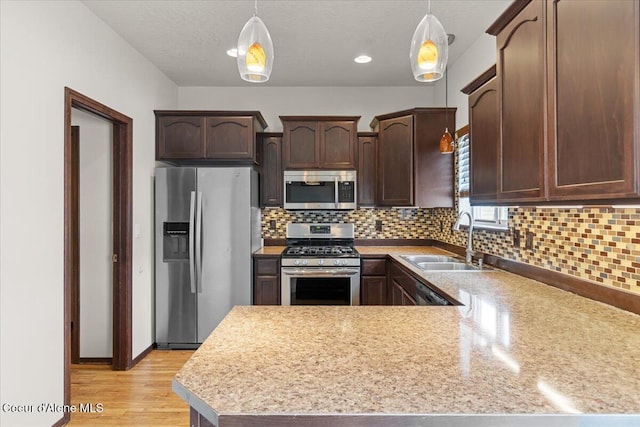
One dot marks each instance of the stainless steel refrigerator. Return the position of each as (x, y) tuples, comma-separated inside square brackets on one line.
[(207, 225)]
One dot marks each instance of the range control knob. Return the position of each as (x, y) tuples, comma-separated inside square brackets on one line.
[(344, 262), (336, 262), (320, 262), (297, 262), (305, 262)]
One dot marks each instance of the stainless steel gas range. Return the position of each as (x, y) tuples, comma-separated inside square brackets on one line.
[(320, 265)]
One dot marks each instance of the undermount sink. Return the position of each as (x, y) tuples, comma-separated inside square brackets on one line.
[(415, 259), (441, 263), (446, 266)]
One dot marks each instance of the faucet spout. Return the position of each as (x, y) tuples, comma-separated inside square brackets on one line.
[(456, 227)]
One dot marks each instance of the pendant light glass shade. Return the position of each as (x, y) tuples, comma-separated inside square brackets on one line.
[(429, 50), (446, 142), (255, 51)]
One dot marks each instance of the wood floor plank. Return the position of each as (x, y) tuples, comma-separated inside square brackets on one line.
[(141, 396)]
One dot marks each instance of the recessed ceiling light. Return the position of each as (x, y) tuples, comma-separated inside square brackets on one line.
[(362, 59), (233, 52)]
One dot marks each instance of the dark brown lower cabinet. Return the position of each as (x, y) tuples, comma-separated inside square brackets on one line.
[(373, 282), (266, 280), (402, 286), (399, 296), (197, 420)]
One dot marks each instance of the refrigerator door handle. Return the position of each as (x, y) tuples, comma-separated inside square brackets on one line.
[(199, 242), (192, 267)]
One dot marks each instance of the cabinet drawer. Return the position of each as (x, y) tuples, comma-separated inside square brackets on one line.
[(374, 267), (267, 266)]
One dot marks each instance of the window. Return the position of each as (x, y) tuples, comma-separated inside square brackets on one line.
[(483, 216)]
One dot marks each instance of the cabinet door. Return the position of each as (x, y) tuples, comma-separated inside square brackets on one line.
[(229, 138), (395, 160), (373, 290), (301, 145), (271, 185), (338, 144), (179, 137), (592, 150), (521, 94), (483, 142), (266, 290), (266, 281), (367, 147), (396, 293), (399, 296)]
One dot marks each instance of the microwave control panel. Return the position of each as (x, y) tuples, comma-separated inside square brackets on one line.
[(346, 191)]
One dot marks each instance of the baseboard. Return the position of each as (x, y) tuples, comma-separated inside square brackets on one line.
[(66, 418), (615, 297), (142, 355), (95, 361)]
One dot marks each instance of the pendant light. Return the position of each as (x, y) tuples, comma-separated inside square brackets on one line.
[(255, 50), (429, 49), (446, 141)]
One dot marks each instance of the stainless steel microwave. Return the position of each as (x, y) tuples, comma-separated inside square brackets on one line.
[(320, 189)]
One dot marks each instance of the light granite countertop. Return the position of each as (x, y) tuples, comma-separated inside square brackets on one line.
[(515, 347), (270, 250)]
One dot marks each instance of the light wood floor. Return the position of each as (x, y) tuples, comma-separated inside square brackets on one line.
[(141, 396)]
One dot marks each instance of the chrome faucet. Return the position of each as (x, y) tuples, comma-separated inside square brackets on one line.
[(470, 253)]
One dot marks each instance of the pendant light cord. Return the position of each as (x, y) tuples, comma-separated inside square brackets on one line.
[(255, 8), (446, 98), (429, 6)]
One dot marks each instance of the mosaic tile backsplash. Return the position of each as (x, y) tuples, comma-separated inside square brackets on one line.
[(598, 244)]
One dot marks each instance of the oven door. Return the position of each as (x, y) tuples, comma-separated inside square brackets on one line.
[(320, 286)]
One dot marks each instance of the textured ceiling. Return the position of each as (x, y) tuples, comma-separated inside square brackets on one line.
[(314, 41)]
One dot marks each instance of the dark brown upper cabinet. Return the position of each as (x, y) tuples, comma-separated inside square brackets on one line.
[(179, 137), (208, 136), (319, 142), (411, 170), (367, 167), (594, 99), (521, 98), (484, 137), (569, 100), (271, 185)]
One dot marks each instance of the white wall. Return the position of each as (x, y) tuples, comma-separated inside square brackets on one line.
[(272, 102), (96, 234), (477, 59), (357, 101), (45, 46)]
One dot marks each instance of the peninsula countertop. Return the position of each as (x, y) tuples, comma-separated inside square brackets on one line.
[(515, 346)]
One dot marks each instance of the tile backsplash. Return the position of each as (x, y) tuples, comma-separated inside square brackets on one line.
[(598, 244)]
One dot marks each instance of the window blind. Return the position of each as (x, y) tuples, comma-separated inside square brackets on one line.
[(463, 166)]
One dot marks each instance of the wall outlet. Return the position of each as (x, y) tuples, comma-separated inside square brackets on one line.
[(272, 224), (529, 241), (516, 238), (378, 225)]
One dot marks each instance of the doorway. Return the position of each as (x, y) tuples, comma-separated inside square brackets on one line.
[(121, 172), (92, 293)]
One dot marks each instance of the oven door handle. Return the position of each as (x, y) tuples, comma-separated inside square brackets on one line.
[(320, 273)]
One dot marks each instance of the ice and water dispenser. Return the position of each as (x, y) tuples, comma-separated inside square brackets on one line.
[(175, 238)]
